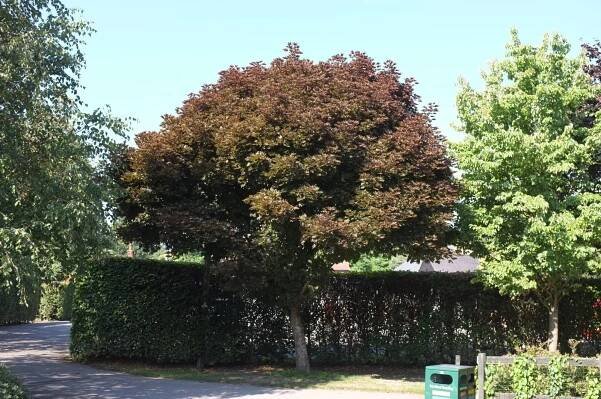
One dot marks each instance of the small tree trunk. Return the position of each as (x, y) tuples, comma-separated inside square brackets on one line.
[(300, 340), (554, 324)]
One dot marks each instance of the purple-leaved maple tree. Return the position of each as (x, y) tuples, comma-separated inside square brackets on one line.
[(277, 171)]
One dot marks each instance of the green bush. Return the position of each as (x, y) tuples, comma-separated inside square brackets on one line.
[(593, 385), (57, 301), (171, 312), (557, 379), (559, 376), (19, 297), (375, 263), (524, 376), (10, 388), (498, 379)]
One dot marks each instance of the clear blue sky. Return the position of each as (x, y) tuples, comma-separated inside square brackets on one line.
[(147, 56)]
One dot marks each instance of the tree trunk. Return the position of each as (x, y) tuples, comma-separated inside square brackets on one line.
[(554, 324), (300, 340)]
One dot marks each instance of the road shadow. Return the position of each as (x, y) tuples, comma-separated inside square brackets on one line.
[(34, 339), (37, 354)]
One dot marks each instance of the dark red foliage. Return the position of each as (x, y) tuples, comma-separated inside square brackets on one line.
[(279, 170), (593, 52), (593, 69)]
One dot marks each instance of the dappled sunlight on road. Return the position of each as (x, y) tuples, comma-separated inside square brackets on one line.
[(38, 354)]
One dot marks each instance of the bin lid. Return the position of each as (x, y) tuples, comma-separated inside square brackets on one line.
[(448, 367)]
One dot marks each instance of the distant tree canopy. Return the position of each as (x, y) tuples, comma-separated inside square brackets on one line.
[(531, 196), (371, 262), (52, 196), (277, 171)]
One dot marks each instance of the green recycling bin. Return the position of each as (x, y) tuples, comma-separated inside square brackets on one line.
[(449, 381)]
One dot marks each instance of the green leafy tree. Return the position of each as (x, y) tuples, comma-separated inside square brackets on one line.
[(371, 262), (52, 216), (278, 171), (531, 205)]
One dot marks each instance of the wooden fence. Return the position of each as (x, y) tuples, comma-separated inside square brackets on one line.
[(483, 360)]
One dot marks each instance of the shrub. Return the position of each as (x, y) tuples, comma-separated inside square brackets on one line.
[(171, 312), (19, 297), (10, 388), (527, 380), (57, 301), (498, 379), (524, 376), (559, 376), (371, 262), (593, 385)]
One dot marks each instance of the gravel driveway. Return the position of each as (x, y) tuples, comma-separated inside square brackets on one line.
[(38, 355)]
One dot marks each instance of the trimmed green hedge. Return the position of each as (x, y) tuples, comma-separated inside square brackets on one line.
[(171, 313), (10, 388)]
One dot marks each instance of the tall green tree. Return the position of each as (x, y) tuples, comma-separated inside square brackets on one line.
[(530, 202), (371, 262), (52, 215), (278, 171)]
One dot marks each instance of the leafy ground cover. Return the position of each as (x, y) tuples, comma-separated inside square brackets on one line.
[(10, 388)]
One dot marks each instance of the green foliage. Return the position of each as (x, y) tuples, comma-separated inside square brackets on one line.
[(371, 262), (19, 295), (498, 379), (160, 252), (530, 204), (57, 301), (52, 192), (593, 385), (558, 376), (10, 388), (556, 379), (167, 312), (524, 377), (189, 257)]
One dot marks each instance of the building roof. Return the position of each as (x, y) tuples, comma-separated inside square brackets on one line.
[(342, 267), (458, 263)]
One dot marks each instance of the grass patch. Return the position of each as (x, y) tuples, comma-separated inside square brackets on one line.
[(337, 378)]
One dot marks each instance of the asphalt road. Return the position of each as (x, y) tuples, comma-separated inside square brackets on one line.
[(38, 354)]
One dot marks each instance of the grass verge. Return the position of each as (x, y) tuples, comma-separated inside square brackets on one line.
[(333, 378)]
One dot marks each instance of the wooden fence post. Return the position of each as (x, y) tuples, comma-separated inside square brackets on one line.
[(481, 375)]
